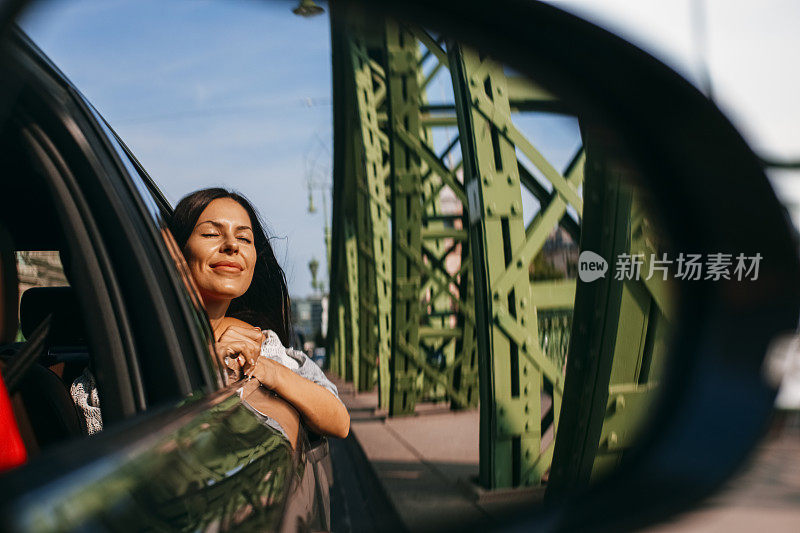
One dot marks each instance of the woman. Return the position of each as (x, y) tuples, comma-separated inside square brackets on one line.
[(244, 292)]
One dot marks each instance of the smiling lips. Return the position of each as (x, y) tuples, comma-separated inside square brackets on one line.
[(227, 266)]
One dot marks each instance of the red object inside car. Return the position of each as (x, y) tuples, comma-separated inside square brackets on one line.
[(12, 449)]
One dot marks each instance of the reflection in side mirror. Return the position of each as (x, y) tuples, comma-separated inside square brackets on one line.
[(504, 288), (490, 252)]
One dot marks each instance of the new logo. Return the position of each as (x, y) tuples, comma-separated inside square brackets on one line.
[(591, 266)]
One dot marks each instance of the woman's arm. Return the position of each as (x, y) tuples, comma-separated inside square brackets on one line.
[(321, 410), (274, 407)]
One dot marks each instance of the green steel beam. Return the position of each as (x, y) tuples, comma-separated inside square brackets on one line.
[(361, 261), (559, 294), (342, 208), (436, 330), (523, 327), (510, 433), (431, 120), (614, 364), (374, 239), (426, 297), (437, 305), (482, 330), (403, 110), (642, 331), (353, 334)]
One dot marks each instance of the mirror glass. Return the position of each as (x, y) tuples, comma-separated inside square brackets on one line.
[(469, 255)]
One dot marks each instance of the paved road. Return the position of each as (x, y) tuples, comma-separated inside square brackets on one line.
[(358, 501), (423, 465)]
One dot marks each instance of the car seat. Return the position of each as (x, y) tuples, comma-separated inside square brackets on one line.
[(43, 393)]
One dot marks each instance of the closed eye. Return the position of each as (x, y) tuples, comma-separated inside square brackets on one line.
[(245, 239), (210, 234)]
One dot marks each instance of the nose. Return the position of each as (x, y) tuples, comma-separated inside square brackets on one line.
[(230, 245)]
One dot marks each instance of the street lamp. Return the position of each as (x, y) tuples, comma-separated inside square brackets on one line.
[(311, 207), (307, 8), (313, 266)]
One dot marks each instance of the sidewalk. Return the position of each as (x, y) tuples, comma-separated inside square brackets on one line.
[(427, 463)]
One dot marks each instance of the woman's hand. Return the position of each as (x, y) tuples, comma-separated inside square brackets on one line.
[(239, 347), (266, 371)]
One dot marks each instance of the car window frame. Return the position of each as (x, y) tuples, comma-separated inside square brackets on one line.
[(187, 296), (156, 274)]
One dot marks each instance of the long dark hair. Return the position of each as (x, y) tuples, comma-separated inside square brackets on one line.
[(266, 303)]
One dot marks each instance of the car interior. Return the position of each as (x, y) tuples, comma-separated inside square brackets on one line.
[(45, 349)]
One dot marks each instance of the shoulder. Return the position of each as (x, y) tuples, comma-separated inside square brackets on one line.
[(229, 321)]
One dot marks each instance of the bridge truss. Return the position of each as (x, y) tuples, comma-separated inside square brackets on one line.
[(432, 293)]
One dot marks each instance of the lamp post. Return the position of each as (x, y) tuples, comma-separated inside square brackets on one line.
[(313, 266), (307, 8), (324, 188), (318, 178)]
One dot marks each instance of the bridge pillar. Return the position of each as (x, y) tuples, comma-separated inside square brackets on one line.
[(374, 239), (514, 368), (403, 117)]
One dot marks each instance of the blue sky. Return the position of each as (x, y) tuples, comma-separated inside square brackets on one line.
[(207, 93), (237, 93), (233, 93)]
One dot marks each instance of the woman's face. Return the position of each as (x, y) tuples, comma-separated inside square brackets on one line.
[(221, 252)]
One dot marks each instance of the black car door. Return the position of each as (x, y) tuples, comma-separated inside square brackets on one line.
[(179, 450)]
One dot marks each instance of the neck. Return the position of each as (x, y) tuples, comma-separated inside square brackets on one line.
[(216, 310)]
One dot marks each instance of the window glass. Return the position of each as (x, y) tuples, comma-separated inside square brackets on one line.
[(38, 269), (160, 210)]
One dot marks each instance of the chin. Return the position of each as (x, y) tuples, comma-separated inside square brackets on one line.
[(222, 293), (231, 295)]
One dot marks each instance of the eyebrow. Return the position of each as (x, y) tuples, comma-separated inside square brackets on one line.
[(219, 225)]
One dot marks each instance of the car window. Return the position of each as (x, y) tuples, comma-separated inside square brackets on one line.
[(48, 405), (39, 268), (159, 211)]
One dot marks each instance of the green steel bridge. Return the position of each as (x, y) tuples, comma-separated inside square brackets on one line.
[(439, 291)]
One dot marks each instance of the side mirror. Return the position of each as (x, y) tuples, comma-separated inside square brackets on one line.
[(698, 183)]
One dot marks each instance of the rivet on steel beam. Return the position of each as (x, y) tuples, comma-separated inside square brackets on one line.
[(520, 263), (491, 208), (510, 179), (487, 180), (523, 320), (619, 403), (523, 302), (612, 438), (476, 101)]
